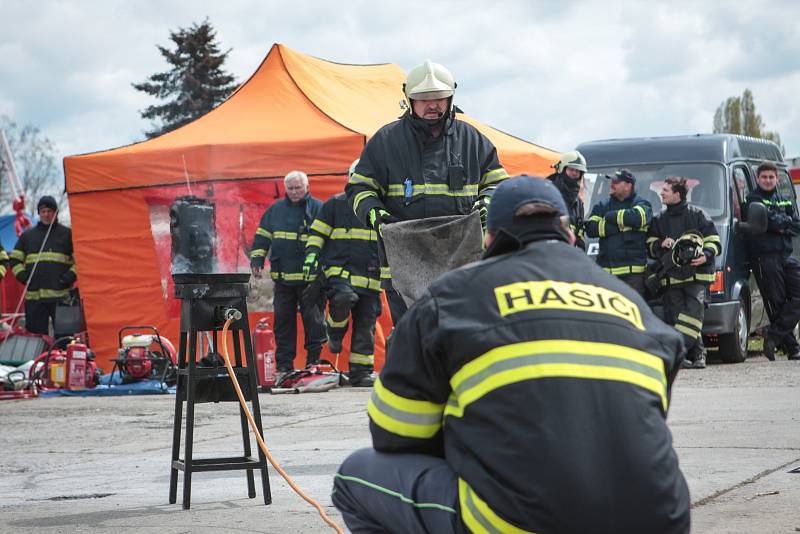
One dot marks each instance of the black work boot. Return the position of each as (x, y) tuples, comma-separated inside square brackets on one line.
[(361, 376), (769, 348), (312, 357)]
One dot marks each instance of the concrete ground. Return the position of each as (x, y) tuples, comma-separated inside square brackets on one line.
[(102, 464)]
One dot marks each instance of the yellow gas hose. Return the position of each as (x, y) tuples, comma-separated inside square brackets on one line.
[(260, 440)]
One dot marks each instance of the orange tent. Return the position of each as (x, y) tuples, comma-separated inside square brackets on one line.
[(295, 112)]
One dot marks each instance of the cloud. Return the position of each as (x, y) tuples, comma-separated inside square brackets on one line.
[(556, 73)]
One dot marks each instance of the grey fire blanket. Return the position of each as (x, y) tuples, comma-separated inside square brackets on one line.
[(420, 250)]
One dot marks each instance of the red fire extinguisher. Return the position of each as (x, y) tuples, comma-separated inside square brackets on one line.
[(264, 346), (76, 366)]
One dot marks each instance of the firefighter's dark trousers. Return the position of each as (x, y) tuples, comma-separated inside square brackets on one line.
[(364, 307), (778, 280), (635, 280), (287, 300), (397, 306), (684, 306), (38, 314), (410, 493)]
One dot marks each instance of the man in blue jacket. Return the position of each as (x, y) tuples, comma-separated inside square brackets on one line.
[(283, 233), (621, 224)]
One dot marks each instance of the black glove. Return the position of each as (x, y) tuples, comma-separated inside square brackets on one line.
[(67, 279)]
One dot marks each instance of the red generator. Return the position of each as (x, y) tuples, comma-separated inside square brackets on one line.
[(264, 347)]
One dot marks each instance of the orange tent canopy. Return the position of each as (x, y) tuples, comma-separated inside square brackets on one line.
[(295, 112)]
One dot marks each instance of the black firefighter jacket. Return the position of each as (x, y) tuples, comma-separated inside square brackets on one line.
[(349, 251), (570, 192), (780, 216), (621, 226), (283, 232), (413, 175), (545, 386), (675, 221), (55, 271)]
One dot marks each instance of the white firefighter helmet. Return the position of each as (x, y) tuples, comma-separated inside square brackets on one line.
[(429, 81), (353, 167), (571, 159)]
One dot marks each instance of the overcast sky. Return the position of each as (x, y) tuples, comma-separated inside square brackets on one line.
[(553, 72)]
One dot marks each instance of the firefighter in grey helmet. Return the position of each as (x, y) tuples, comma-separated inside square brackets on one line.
[(568, 179)]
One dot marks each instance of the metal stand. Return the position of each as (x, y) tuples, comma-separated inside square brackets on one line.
[(206, 298)]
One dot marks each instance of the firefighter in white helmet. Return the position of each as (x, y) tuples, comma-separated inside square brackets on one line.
[(568, 178), (426, 164)]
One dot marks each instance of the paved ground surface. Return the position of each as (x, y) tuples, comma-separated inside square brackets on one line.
[(102, 465)]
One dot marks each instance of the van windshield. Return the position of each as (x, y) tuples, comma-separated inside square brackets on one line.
[(706, 182)]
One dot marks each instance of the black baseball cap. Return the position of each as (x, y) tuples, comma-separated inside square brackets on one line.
[(516, 191), (624, 175)]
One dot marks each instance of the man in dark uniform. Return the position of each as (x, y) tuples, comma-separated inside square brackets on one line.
[(283, 232), (568, 178), (685, 276), (533, 401), (621, 224), (42, 259), (777, 272), (427, 164), (348, 255)]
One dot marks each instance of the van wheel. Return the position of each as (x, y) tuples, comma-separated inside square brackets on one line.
[(733, 346)]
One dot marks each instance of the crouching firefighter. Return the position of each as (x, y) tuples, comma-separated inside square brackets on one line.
[(348, 255), (536, 324), (685, 242)]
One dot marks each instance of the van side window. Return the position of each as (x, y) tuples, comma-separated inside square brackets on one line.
[(740, 190)]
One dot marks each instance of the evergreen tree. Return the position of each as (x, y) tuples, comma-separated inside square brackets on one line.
[(738, 115), (194, 85)]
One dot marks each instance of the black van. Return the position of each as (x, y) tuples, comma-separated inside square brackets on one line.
[(721, 172)]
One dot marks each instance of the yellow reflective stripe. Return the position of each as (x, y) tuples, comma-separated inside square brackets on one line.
[(17, 255), (643, 215), (336, 324), (2, 271), (694, 334), (690, 320), (553, 358), (628, 269), (356, 178), (362, 359), (494, 176), (361, 196), (17, 268), (258, 253), (699, 277), (402, 416), (479, 518), (363, 281), (335, 270), (46, 294), (73, 269), (398, 190), (3, 255), (601, 228), (289, 236), (264, 233), (54, 257), (651, 239), (354, 233), (315, 241), (291, 277), (321, 227), (385, 273), (621, 220)]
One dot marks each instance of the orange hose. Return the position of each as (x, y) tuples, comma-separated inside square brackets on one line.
[(260, 440)]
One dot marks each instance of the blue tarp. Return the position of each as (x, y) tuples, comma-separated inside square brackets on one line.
[(8, 236), (116, 388)]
